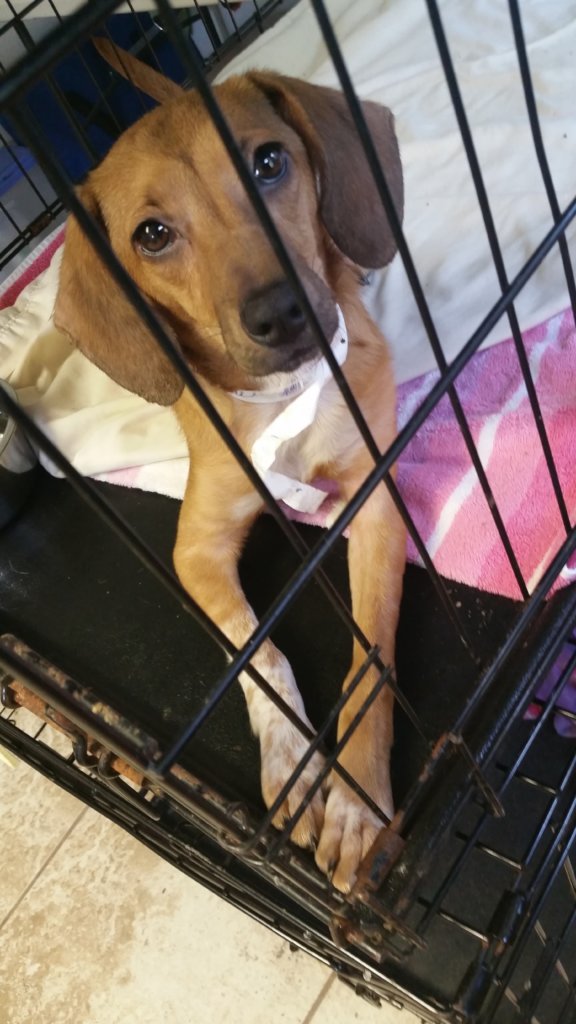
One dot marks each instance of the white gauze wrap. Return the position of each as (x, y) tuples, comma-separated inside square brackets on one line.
[(293, 420)]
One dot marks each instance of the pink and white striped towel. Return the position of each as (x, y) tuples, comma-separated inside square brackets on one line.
[(441, 488)]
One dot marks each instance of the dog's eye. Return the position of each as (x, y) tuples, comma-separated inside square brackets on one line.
[(153, 237), (270, 162)]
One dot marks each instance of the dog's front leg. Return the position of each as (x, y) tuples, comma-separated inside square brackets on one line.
[(211, 534), (376, 555)]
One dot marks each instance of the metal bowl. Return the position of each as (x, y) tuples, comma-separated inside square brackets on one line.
[(18, 463)]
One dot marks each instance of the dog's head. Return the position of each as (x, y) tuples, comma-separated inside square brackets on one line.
[(179, 220)]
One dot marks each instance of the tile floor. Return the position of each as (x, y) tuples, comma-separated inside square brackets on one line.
[(95, 929)]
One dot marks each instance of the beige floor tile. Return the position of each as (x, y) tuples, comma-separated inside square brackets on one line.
[(111, 934), (341, 1005), (101, 931), (35, 816)]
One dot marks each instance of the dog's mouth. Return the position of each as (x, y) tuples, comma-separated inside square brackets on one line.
[(268, 340), (258, 364), (296, 358), (291, 381)]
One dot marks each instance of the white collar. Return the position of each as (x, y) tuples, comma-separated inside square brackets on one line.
[(303, 395)]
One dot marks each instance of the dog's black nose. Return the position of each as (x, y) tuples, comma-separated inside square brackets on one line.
[(273, 316)]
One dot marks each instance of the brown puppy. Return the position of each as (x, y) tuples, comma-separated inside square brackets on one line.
[(179, 220)]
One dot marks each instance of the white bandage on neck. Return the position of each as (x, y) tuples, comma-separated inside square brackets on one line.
[(295, 418)]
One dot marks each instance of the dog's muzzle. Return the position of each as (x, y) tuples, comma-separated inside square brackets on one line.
[(273, 316), (302, 395)]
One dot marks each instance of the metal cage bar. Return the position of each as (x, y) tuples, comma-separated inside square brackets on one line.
[(161, 5), (524, 66), (417, 291), (548, 850), (496, 251), (467, 350), (500, 790)]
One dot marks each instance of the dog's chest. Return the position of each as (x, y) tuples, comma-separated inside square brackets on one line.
[(329, 439)]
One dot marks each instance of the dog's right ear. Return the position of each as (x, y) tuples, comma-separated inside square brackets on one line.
[(92, 309), (350, 205)]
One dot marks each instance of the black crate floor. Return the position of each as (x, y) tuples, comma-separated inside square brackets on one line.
[(71, 591)]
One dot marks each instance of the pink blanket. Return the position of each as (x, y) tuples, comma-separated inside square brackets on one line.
[(440, 486), (29, 269)]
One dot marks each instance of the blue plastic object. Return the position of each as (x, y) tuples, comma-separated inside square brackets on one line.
[(74, 97)]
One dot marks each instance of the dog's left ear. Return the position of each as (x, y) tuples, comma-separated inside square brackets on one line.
[(93, 311), (350, 206)]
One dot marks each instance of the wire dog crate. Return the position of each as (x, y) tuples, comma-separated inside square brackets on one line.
[(475, 872)]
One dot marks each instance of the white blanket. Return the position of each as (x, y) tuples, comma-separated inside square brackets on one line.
[(391, 54), (392, 58)]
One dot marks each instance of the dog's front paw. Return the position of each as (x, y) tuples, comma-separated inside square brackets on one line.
[(350, 828), (282, 748)]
